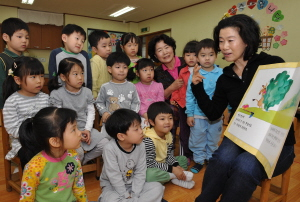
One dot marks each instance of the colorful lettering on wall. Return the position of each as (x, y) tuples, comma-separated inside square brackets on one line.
[(232, 10), (241, 6), (271, 8), (277, 16), (267, 31), (262, 4), (251, 3)]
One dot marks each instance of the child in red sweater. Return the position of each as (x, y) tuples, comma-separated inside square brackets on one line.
[(178, 97)]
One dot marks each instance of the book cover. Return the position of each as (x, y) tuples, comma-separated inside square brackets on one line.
[(262, 121)]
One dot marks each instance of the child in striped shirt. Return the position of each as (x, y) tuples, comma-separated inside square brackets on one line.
[(23, 99), (162, 166)]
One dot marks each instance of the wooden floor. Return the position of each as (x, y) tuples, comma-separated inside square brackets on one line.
[(173, 193)]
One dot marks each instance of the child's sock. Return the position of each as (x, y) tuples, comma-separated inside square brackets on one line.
[(189, 175), (196, 168), (184, 184)]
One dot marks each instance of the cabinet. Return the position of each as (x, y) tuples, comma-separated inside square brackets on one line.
[(44, 37), (35, 37)]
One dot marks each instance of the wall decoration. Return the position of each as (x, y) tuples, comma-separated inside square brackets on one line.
[(284, 34), (226, 15), (114, 36), (280, 27), (277, 16), (262, 4), (276, 45), (277, 38), (271, 8), (251, 3), (232, 10), (283, 42), (266, 42), (241, 6), (271, 31), (268, 32)]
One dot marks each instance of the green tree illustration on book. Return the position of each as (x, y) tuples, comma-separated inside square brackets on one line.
[(277, 89)]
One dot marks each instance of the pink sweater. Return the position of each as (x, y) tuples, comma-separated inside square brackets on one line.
[(149, 94)]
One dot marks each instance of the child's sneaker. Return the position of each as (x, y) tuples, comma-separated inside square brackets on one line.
[(196, 168), (189, 175), (184, 184)]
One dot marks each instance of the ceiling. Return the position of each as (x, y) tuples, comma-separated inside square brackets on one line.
[(145, 9)]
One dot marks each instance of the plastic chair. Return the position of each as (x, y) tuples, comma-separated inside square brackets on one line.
[(281, 192), (9, 181)]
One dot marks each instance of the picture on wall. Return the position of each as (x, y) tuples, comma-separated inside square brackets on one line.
[(114, 36)]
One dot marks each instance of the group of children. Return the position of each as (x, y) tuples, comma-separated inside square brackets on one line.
[(46, 130)]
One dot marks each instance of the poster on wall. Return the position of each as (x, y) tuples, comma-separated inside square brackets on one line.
[(114, 37), (262, 121)]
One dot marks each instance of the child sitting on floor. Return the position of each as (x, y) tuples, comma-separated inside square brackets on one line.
[(123, 176), (162, 166)]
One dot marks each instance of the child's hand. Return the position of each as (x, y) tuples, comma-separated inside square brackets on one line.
[(190, 121), (178, 83), (197, 77), (86, 136), (178, 172), (105, 117), (172, 102)]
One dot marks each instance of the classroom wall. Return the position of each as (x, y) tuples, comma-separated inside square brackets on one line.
[(197, 22), (7, 12)]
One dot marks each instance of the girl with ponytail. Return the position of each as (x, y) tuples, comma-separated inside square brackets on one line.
[(54, 172)]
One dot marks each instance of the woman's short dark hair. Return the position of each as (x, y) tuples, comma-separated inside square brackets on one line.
[(166, 39), (248, 30), (120, 121)]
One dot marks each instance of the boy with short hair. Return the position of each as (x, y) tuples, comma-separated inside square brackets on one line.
[(162, 166), (101, 45), (123, 174), (73, 38), (205, 134), (117, 93), (15, 34)]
